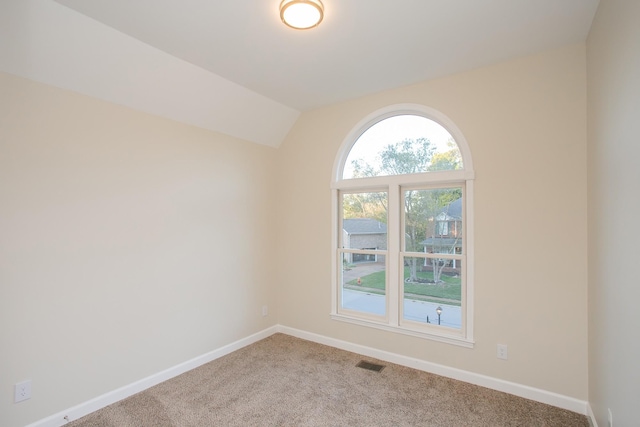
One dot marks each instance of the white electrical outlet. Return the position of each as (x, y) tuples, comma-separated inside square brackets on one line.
[(610, 417), (265, 310), (502, 352), (22, 391)]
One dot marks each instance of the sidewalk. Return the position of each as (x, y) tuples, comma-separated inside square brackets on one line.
[(361, 270)]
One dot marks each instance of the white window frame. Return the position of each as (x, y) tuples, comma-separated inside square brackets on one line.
[(394, 185)]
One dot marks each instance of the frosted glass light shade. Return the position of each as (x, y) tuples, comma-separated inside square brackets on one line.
[(301, 14)]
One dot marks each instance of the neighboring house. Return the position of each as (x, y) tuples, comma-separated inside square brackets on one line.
[(364, 233), (447, 232)]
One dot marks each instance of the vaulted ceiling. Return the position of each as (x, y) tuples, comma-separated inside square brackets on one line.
[(233, 67)]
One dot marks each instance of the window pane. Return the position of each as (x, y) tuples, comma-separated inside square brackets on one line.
[(433, 221), (430, 283), (364, 224), (402, 144), (364, 287)]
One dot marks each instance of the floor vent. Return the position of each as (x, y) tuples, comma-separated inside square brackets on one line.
[(370, 366)]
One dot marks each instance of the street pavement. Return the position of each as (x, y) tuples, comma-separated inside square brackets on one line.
[(413, 309)]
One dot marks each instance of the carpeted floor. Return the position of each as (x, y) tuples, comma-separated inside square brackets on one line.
[(286, 381)]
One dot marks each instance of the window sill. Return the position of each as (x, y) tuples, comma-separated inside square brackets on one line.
[(445, 338)]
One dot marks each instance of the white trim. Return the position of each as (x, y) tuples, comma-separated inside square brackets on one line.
[(367, 320), (394, 234), (543, 396), (336, 264), (539, 395), (114, 396), (381, 182), (469, 262), (591, 415)]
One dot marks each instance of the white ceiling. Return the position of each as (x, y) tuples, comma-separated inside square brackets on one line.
[(361, 47)]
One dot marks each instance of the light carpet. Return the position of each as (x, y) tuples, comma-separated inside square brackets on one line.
[(286, 381)]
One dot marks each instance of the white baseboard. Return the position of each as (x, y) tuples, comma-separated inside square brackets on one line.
[(543, 396), (114, 396), (592, 417)]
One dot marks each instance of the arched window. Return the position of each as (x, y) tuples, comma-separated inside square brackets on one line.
[(403, 226)]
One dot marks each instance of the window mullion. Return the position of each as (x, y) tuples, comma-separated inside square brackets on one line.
[(393, 260)]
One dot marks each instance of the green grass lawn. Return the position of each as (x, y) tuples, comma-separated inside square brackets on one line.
[(447, 291)]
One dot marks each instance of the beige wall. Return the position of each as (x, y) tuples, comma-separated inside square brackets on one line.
[(525, 122), (129, 244), (614, 209), (132, 243)]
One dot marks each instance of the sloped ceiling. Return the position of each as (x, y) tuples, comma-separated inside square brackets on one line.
[(233, 67)]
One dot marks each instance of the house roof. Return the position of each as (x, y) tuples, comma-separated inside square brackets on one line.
[(452, 211), (442, 242), (364, 226)]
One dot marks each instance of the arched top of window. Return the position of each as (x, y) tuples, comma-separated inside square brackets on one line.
[(401, 140)]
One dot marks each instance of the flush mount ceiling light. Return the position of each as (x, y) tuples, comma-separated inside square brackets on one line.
[(301, 14)]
